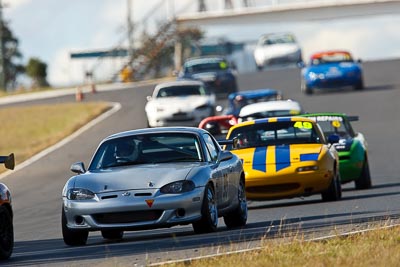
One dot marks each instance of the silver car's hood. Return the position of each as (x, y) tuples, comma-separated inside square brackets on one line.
[(148, 176)]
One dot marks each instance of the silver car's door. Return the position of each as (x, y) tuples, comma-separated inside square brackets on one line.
[(221, 172)]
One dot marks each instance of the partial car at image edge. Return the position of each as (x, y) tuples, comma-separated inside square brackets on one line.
[(6, 213)]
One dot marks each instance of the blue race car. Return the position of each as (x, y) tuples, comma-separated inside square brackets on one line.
[(240, 99), (330, 70)]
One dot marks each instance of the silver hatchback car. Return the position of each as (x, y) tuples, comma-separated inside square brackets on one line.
[(151, 178)]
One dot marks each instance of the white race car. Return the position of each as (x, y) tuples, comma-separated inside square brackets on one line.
[(276, 49), (268, 109), (179, 103)]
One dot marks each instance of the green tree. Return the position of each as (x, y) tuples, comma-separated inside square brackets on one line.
[(37, 71), (11, 55)]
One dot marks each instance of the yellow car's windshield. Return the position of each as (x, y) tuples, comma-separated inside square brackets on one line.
[(275, 133)]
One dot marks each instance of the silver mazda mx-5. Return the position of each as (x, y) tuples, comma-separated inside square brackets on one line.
[(151, 178)]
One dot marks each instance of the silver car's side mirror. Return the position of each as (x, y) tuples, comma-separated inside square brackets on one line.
[(224, 155), (148, 98), (78, 167)]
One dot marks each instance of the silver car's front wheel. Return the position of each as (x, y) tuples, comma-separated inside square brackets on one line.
[(209, 211), (238, 217), (334, 192), (72, 237)]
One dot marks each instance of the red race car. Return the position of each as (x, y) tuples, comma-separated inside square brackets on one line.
[(218, 126)]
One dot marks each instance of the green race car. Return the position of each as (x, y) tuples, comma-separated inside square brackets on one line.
[(352, 147)]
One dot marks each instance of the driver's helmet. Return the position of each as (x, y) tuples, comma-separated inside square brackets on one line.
[(240, 101), (213, 128), (124, 149)]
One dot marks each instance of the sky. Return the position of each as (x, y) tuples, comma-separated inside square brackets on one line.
[(51, 30)]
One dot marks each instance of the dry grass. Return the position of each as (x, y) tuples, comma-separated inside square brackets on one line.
[(27, 130), (373, 248), (23, 90)]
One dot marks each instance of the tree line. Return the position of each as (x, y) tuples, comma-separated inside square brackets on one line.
[(12, 68)]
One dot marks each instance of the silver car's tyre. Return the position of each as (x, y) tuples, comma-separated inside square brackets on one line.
[(112, 234), (334, 191), (364, 181), (209, 211), (6, 233), (72, 237), (238, 217)]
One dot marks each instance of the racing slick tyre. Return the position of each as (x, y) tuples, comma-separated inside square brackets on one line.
[(209, 211), (72, 237), (359, 85), (306, 89), (334, 191), (112, 234), (6, 233), (238, 217), (364, 181)]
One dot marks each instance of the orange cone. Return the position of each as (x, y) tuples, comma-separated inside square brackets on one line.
[(78, 95)]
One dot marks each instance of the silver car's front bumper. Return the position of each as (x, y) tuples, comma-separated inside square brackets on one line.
[(128, 210)]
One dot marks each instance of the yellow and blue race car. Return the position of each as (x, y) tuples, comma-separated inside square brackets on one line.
[(285, 157)]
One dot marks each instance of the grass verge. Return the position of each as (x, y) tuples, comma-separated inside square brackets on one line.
[(372, 248), (27, 130)]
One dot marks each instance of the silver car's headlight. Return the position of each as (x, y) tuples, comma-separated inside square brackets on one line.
[(79, 194), (177, 187)]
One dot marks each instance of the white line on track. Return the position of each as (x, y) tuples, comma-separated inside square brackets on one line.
[(115, 107)]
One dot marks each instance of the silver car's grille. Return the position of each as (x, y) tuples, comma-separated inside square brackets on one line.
[(127, 217)]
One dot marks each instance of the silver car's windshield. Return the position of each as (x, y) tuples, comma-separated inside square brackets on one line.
[(147, 148)]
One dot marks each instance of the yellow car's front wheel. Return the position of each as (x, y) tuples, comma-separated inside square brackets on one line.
[(334, 192)]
